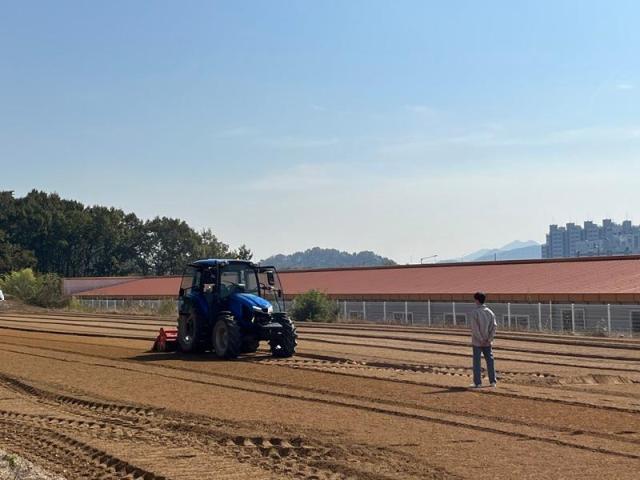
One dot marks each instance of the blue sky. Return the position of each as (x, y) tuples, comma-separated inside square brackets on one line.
[(410, 128)]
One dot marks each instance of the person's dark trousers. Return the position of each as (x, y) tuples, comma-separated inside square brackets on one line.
[(488, 358)]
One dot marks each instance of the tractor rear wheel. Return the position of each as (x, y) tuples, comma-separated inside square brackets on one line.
[(284, 344), (192, 333), (227, 337)]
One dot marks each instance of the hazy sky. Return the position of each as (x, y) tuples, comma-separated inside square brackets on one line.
[(410, 128)]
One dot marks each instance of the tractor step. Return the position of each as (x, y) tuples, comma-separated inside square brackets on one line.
[(166, 341)]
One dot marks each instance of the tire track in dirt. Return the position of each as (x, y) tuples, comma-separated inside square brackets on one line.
[(446, 418), (552, 339), (503, 376), (150, 338), (339, 361), (142, 333), (65, 455), (293, 457), (466, 345), (466, 355)]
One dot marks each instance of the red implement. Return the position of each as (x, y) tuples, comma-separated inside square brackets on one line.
[(166, 341)]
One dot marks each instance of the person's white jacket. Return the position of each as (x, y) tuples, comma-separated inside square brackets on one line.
[(483, 326)]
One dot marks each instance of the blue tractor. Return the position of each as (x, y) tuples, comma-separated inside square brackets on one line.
[(230, 306)]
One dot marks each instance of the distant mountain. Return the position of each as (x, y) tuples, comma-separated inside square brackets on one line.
[(516, 250), (326, 258), (518, 244), (523, 253)]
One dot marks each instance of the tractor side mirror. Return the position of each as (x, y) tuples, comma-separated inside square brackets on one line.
[(181, 292), (271, 278), (279, 293)]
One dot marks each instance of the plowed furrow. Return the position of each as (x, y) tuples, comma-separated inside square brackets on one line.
[(386, 346), (623, 448), (200, 445), (65, 455)]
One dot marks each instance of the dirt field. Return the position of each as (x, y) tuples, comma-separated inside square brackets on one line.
[(81, 396)]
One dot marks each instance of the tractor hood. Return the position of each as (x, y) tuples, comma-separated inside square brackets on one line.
[(241, 303)]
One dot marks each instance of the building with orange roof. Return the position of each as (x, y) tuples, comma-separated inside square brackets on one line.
[(530, 293)]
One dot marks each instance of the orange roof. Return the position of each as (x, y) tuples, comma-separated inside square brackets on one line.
[(149, 287), (598, 279), (76, 285)]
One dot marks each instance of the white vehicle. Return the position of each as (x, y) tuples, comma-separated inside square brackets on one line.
[(1, 296)]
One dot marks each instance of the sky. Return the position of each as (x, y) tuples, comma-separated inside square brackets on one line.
[(410, 128)]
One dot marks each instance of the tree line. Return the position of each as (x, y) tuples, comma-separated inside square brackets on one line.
[(54, 235), (327, 258)]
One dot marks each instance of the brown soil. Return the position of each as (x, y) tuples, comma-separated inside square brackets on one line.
[(81, 396)]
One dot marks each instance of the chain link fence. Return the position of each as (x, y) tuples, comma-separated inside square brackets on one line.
[(574, 318)]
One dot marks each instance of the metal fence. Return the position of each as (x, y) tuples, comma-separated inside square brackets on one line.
[(575, 318), (120, 304), (603, 319)]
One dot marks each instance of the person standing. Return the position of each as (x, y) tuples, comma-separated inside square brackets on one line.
[(483, 331)]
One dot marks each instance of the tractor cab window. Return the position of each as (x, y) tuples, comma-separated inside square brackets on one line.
[(188, 279), (238, 278), (271, 288), (209, 280)]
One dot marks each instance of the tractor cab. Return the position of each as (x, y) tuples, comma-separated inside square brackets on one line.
[(229, 306)]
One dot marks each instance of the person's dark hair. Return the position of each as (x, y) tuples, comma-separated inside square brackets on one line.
[(479, 296)]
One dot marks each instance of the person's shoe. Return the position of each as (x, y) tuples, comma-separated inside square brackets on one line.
[(473, 385), (493, 384)]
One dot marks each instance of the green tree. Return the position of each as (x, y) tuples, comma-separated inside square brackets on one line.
[(12, 257), (48, 291), (63, 236), (172, 245), (243, 253), (20, 284), (42, 290), (211, 247), (313, 306)]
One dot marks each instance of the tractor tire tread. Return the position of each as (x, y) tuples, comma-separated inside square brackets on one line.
[(234, 342), (285, 345)]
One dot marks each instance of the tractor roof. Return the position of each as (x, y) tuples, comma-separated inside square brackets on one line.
[(212, 262)]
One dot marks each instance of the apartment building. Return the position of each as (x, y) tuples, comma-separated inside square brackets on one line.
[(592, 240)]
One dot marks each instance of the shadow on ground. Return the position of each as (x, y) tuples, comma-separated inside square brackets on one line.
[(199, 357)]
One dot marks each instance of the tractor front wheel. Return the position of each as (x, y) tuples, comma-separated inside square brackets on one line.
[(192, 333), (284, 344), (227, 337)]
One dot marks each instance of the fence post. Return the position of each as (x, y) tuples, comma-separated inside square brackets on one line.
[(573, 318), (429, 311), (364, 310), (550, 316), (384, 312), (539, 317), (609, 318), (453, 304), (509, 314), (345, 309), (406, 313)]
